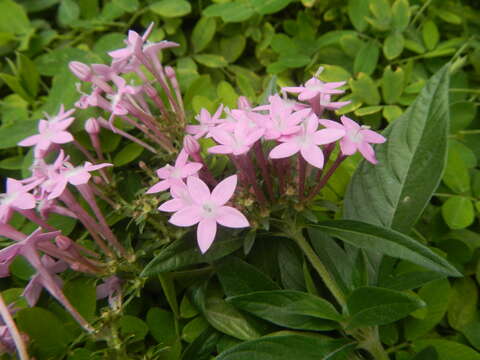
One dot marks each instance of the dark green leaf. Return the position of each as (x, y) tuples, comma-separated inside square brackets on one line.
[(289, 308), (203, 33), (394, 192), (265, 7), (401, 14), (129, 153), (357, 12), (370, 306), (387, 242), (133, 328), (448, 350), (367, 58)]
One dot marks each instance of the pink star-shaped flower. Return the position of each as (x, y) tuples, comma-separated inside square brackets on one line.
[(236, 142), (209, 209), (16, 196), (174, 174), (356, 138), (315, 87), (306, 142), (206, 123), (181, 198)]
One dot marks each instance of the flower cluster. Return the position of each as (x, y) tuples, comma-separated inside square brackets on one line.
[(263, 143)]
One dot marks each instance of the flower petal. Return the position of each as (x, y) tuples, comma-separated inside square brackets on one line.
[(327, 136), (347, 146), (160, 186), (172, 205), (372, 137), (207, 228), (284, 150), (198, 190), (24, 201), (367, 151), (187, 216), (29, 141), (313, 155), (224, 190), (190, 169), (231, 217)]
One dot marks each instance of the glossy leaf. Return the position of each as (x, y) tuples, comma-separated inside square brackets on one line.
[(387, 242), (394, 192), (171, 8), (203, 33), (370, 306), (458, 212), (367, 58), (448, 350)]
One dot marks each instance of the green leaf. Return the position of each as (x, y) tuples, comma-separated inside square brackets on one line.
[(436, 295), (11, 134), (458, 212), (162, 325), (232, 47), (411, 280), (393, 45), (28, 74), (457, 174), (365, 90), (46, 332), (367, 58), (127, 5), (50, 63), (81, 293), (392, 84), (462, 116), (194, 328), (394, 192), (230, 11), (15, 85), (388, 242), (370, 306), (392, 112), (265, 7), (238, 277), (129, 153), (289, 308), (185, 252), (401, 14), (448, 350), (289, 346), (430, 34), (68, 13), (211, 60), (12, 163), (133, 328), (462, 308), (13, 18), (227, 94), (357, 11), (225, 318), (171, 8), (203, 33)]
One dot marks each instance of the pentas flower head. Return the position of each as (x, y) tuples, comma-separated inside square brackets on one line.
[(50, 132), (314, 88), (17, 196), (208, 209), (172, 175), (355, 138), (306, 142)]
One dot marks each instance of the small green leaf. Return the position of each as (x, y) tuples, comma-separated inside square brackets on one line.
[(11, 134), (367, 58), (448, 350), (81, 293), (457, 173), (230, 11), (28, 74), (401, 14), (392, 84), (133, 328), (365, 90), (68, 13), (194, 328), (430, 34), (127, 5), (162, 325), (211, 60), (357, 11), (265, 7), (13, 18), (462, 308), (128, 154), (369, 110), (458, 212), (203, 33), (227, 94), (392, 112), (171, 8), (232, 47), (393, 45), (370, 306)]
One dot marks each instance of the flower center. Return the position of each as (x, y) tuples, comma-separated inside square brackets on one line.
[(208, 210)]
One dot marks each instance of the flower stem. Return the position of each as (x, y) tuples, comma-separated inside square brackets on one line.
[(12, 328), (324, 179), (327, 278), (302, 171)]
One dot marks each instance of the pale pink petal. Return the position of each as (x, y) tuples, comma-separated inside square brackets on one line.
[(349, 124), (308, 94), (313, 155), (220, 149), (327, 136), (292, 89), (231, 217), (160, 186), (181, 159), (372, 137), (198, 190), (165, 172), (30, 141), (221, 136), (206, 230), (311, 124), (89, 167), (79, 178), (190, 169), (347, 146), (334, 85), (367, 151), (58, 189), (13, 185), (61, 137), (187, 216), (284, 150), (254, 136), (224, 190), (43, 125), (24, 201), (172, 205), (120, 53), (331, 124)]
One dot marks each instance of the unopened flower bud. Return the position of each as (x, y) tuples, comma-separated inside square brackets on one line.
[(92, 126), (81, 70), (97, 180), (150, 90), (243, 103), (63, 242), (169, 71), (191, 145)]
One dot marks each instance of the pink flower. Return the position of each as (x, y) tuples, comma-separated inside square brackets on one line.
[(50, 132), (209, 209), (315, 87), (207, 122), (181, 198), (306, 142), (174, 174), (17, 196), (356, 138), (237, 142)]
